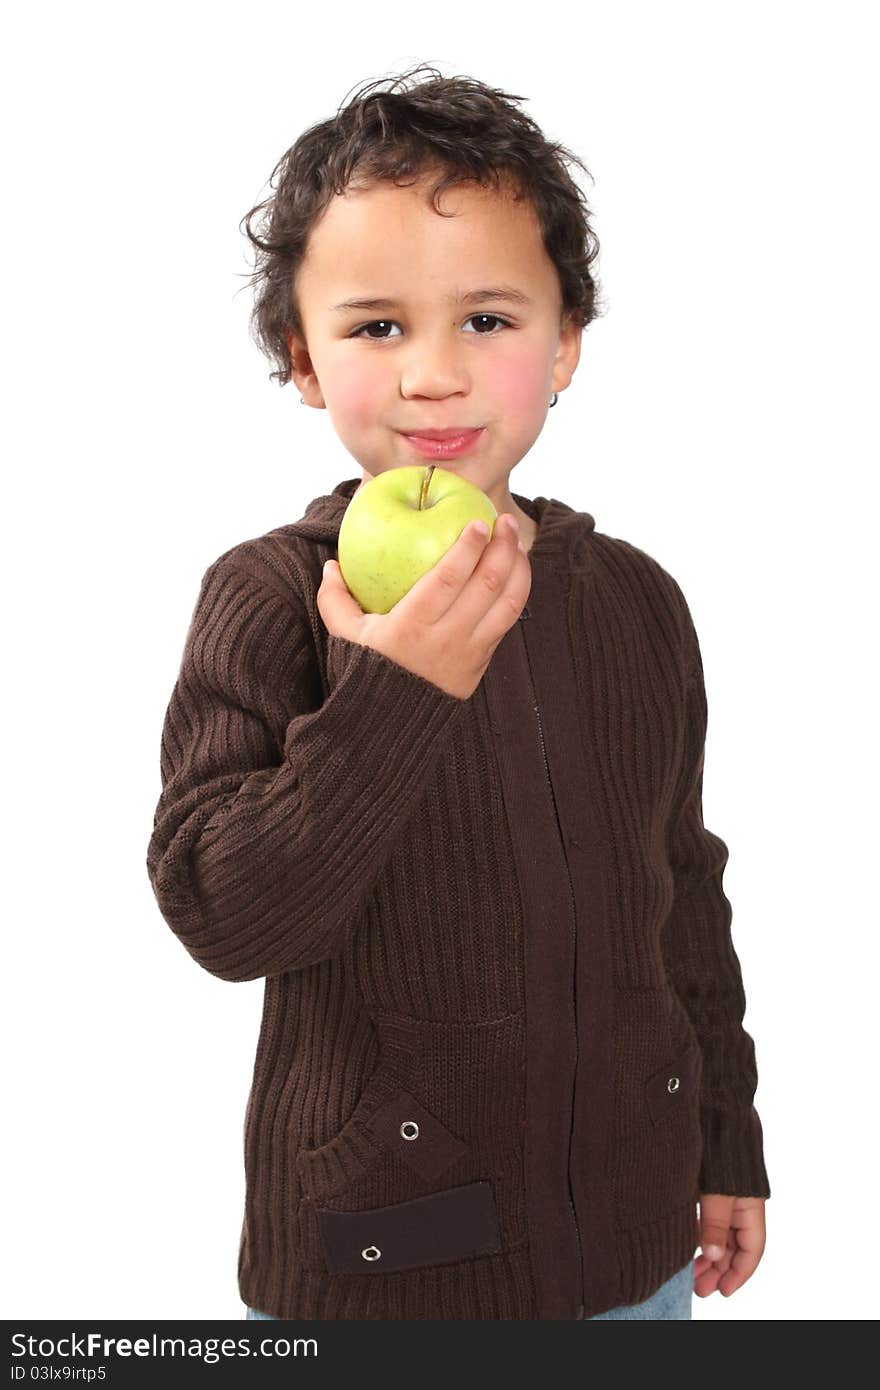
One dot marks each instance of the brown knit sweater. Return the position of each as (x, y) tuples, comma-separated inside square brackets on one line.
[(502, 1045)]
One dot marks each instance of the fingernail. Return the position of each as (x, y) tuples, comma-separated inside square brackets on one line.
[(520, 546), (481, 529), (712, 1252)]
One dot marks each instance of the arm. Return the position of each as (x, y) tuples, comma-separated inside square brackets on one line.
[(703, 968), (278, 811)]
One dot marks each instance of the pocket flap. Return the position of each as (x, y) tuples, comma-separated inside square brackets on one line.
[(438, 1229), (671, 1086), (420, 1139)]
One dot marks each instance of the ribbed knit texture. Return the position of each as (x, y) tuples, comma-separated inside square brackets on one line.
[(336, 825)]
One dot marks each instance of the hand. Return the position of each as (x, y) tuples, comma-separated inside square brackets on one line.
[(446, 627), (732, 1236)]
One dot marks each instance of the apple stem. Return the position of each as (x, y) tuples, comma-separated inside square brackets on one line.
[(426, 483)]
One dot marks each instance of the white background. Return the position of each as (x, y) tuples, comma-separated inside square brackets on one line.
[(720, 419)]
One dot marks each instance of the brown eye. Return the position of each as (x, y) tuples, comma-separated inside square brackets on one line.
[(494, 318), (375, 323)]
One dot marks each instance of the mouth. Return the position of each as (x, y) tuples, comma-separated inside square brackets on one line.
[(444, 443), (451, 432)]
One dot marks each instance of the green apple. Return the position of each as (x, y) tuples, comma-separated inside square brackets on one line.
[(398, 525)]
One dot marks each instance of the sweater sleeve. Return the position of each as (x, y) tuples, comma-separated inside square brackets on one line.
[(703, 968), (278, 810)]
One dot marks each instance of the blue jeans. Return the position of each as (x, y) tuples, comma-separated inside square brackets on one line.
[(671, 1302)]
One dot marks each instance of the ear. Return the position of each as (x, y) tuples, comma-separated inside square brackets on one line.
[(303, 373), (568, 353)]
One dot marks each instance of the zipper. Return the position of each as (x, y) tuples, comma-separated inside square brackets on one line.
[(536, 707)]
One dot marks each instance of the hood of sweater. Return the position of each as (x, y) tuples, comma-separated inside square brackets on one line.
[(561, 535)]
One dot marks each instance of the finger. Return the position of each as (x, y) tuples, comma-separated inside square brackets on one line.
[(486, 586), (434, 593), (709, 1273), (742, 1267), (337, 605), (748, 1237), (508, 604), (716, 1212)]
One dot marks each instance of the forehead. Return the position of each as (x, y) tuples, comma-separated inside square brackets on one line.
[(381, 237)]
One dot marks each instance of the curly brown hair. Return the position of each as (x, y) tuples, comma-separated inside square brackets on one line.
[(457, 126)]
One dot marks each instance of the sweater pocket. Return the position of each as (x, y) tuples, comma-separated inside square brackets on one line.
[(655, 1157), (441, 1228), (674, 1086), (353, 1152), (434, 1141), (386, 1120), (418, 1138), (394, 1143)]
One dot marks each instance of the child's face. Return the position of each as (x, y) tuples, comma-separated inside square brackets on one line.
[(425, 360)]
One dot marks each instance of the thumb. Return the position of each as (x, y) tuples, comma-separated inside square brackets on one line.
[(336, 602), (333, 577), (716, 1214)]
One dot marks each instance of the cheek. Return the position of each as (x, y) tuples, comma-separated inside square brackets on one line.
[(356, 392), (516, 385)]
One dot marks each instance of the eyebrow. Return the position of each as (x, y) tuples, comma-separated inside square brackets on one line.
[(507, 293)]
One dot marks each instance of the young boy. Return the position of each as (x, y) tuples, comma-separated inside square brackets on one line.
[(502, 1058)]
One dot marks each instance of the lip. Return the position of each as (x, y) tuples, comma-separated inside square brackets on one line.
[(444, 443), (448, 432)]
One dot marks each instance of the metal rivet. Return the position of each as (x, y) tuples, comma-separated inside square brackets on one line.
[(672, 1084), (409, 1129), (372, 1252)]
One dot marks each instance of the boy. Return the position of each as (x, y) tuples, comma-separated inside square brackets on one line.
[(501, 1058)]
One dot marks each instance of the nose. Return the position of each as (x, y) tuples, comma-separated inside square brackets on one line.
[(434, 368)]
